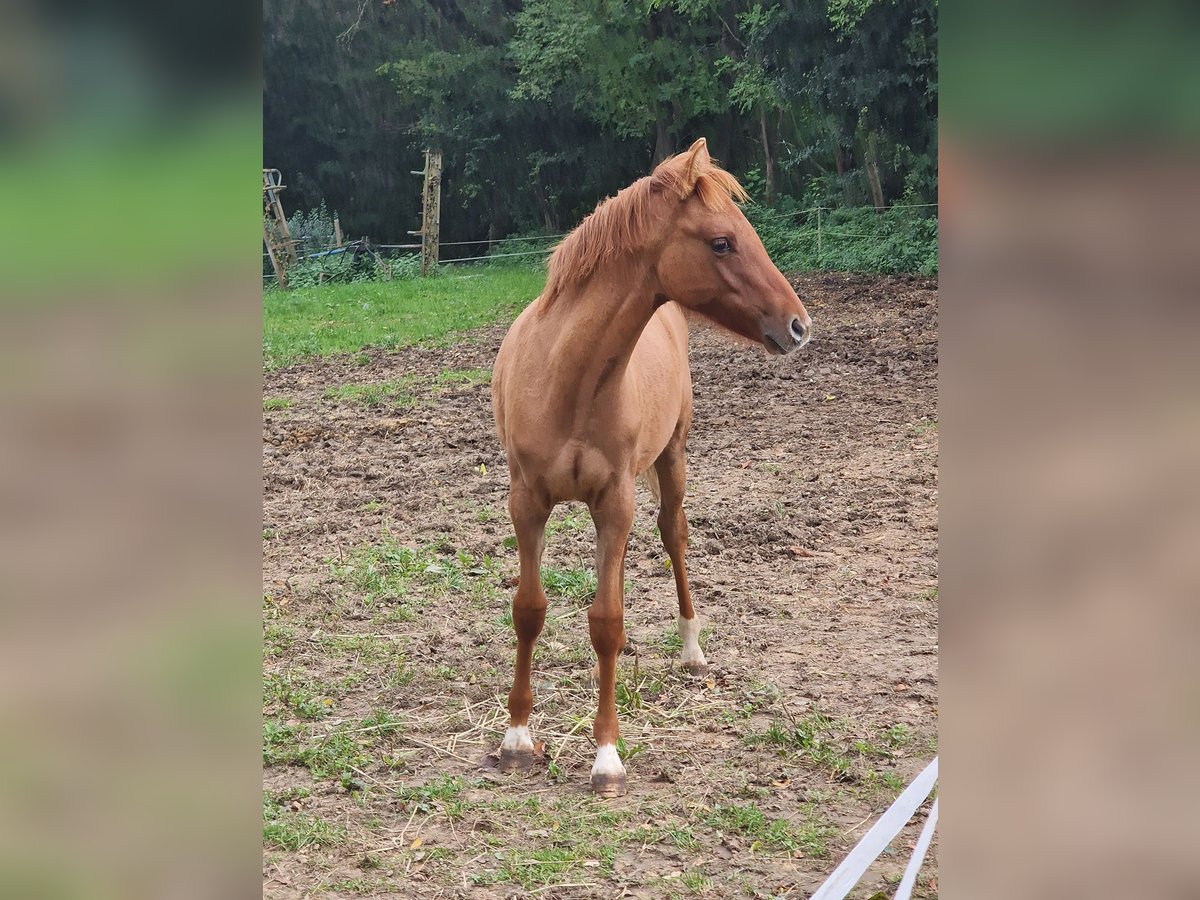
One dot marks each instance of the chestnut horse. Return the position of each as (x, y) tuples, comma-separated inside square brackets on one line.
[(591, 389)]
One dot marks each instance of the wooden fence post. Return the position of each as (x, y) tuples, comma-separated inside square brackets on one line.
[(280, 247), (431, 210)]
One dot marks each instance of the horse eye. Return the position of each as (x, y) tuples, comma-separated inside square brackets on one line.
[(721, 245)]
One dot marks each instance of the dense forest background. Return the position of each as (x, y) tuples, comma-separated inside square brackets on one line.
[(543, 107)]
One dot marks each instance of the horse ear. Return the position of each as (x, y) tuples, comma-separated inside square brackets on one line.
[(695, 160), (679, 173)]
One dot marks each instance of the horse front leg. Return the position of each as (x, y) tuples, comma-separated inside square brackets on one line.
[(612, 513), (529, 517)]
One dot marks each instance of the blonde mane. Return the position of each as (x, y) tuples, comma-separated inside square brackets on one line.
[(622, 224)]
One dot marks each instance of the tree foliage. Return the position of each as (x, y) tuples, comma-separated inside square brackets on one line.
[(542, 107)]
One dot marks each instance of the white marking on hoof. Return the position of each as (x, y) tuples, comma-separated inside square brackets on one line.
[(517, 738), (607, 762), (689, 634)]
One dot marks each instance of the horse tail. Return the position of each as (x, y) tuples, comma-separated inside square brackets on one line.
[(650, 477)]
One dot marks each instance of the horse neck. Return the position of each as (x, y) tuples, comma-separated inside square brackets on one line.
[(598, 324)]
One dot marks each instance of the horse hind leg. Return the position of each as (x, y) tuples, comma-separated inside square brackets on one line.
[(671, 470), (529, 615)]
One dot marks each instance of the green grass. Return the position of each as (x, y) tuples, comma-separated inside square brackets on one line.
[(682, 836), (571, 518), (464, 378), (287, 830), (386, 572), (696, 881), (334, 754), (584, 838), (305, 701), (576, 585), (814, 739), (271, 403), (344, 318), (810, 837), (818, 741), (277, 639), (395, 392), (440, 794)]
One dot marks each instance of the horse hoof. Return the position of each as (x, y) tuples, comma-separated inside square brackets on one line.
[(695, 670), (515, 760), (608, 785)]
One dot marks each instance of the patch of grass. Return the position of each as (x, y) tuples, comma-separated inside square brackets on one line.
[(532, 868), (463, 378), (334, 754), (381, 722), (811, 837), (284, 829), (671, 642), (439, 794), (344, 318), (395, 392), (381, 654), (812, 739), (584, 838), (929, 595), (277, 639), (816, 740), (889, 780), (281, 743), (361, 887), (696, 881), (572, 518), (301, 699), (273, 403), (386, 571), (577, 586), (898, 735), (682, 836)]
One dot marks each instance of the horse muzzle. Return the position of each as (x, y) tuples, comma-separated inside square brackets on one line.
[(783, 340)]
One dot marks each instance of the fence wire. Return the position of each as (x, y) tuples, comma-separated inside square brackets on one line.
[(388, 253)]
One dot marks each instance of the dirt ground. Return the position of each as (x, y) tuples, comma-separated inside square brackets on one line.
[(388, 566)]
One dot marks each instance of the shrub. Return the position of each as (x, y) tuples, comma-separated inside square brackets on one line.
[(898, 239)]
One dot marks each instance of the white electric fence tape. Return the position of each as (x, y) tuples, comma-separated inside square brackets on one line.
[(866, 851), (909, 881)]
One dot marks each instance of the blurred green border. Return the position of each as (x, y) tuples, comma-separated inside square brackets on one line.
[(164, 205), (1073, 72)]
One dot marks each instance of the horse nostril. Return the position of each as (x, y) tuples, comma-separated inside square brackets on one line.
[(798, 329)]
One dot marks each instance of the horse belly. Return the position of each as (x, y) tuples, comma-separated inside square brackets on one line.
[(659, 368)]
